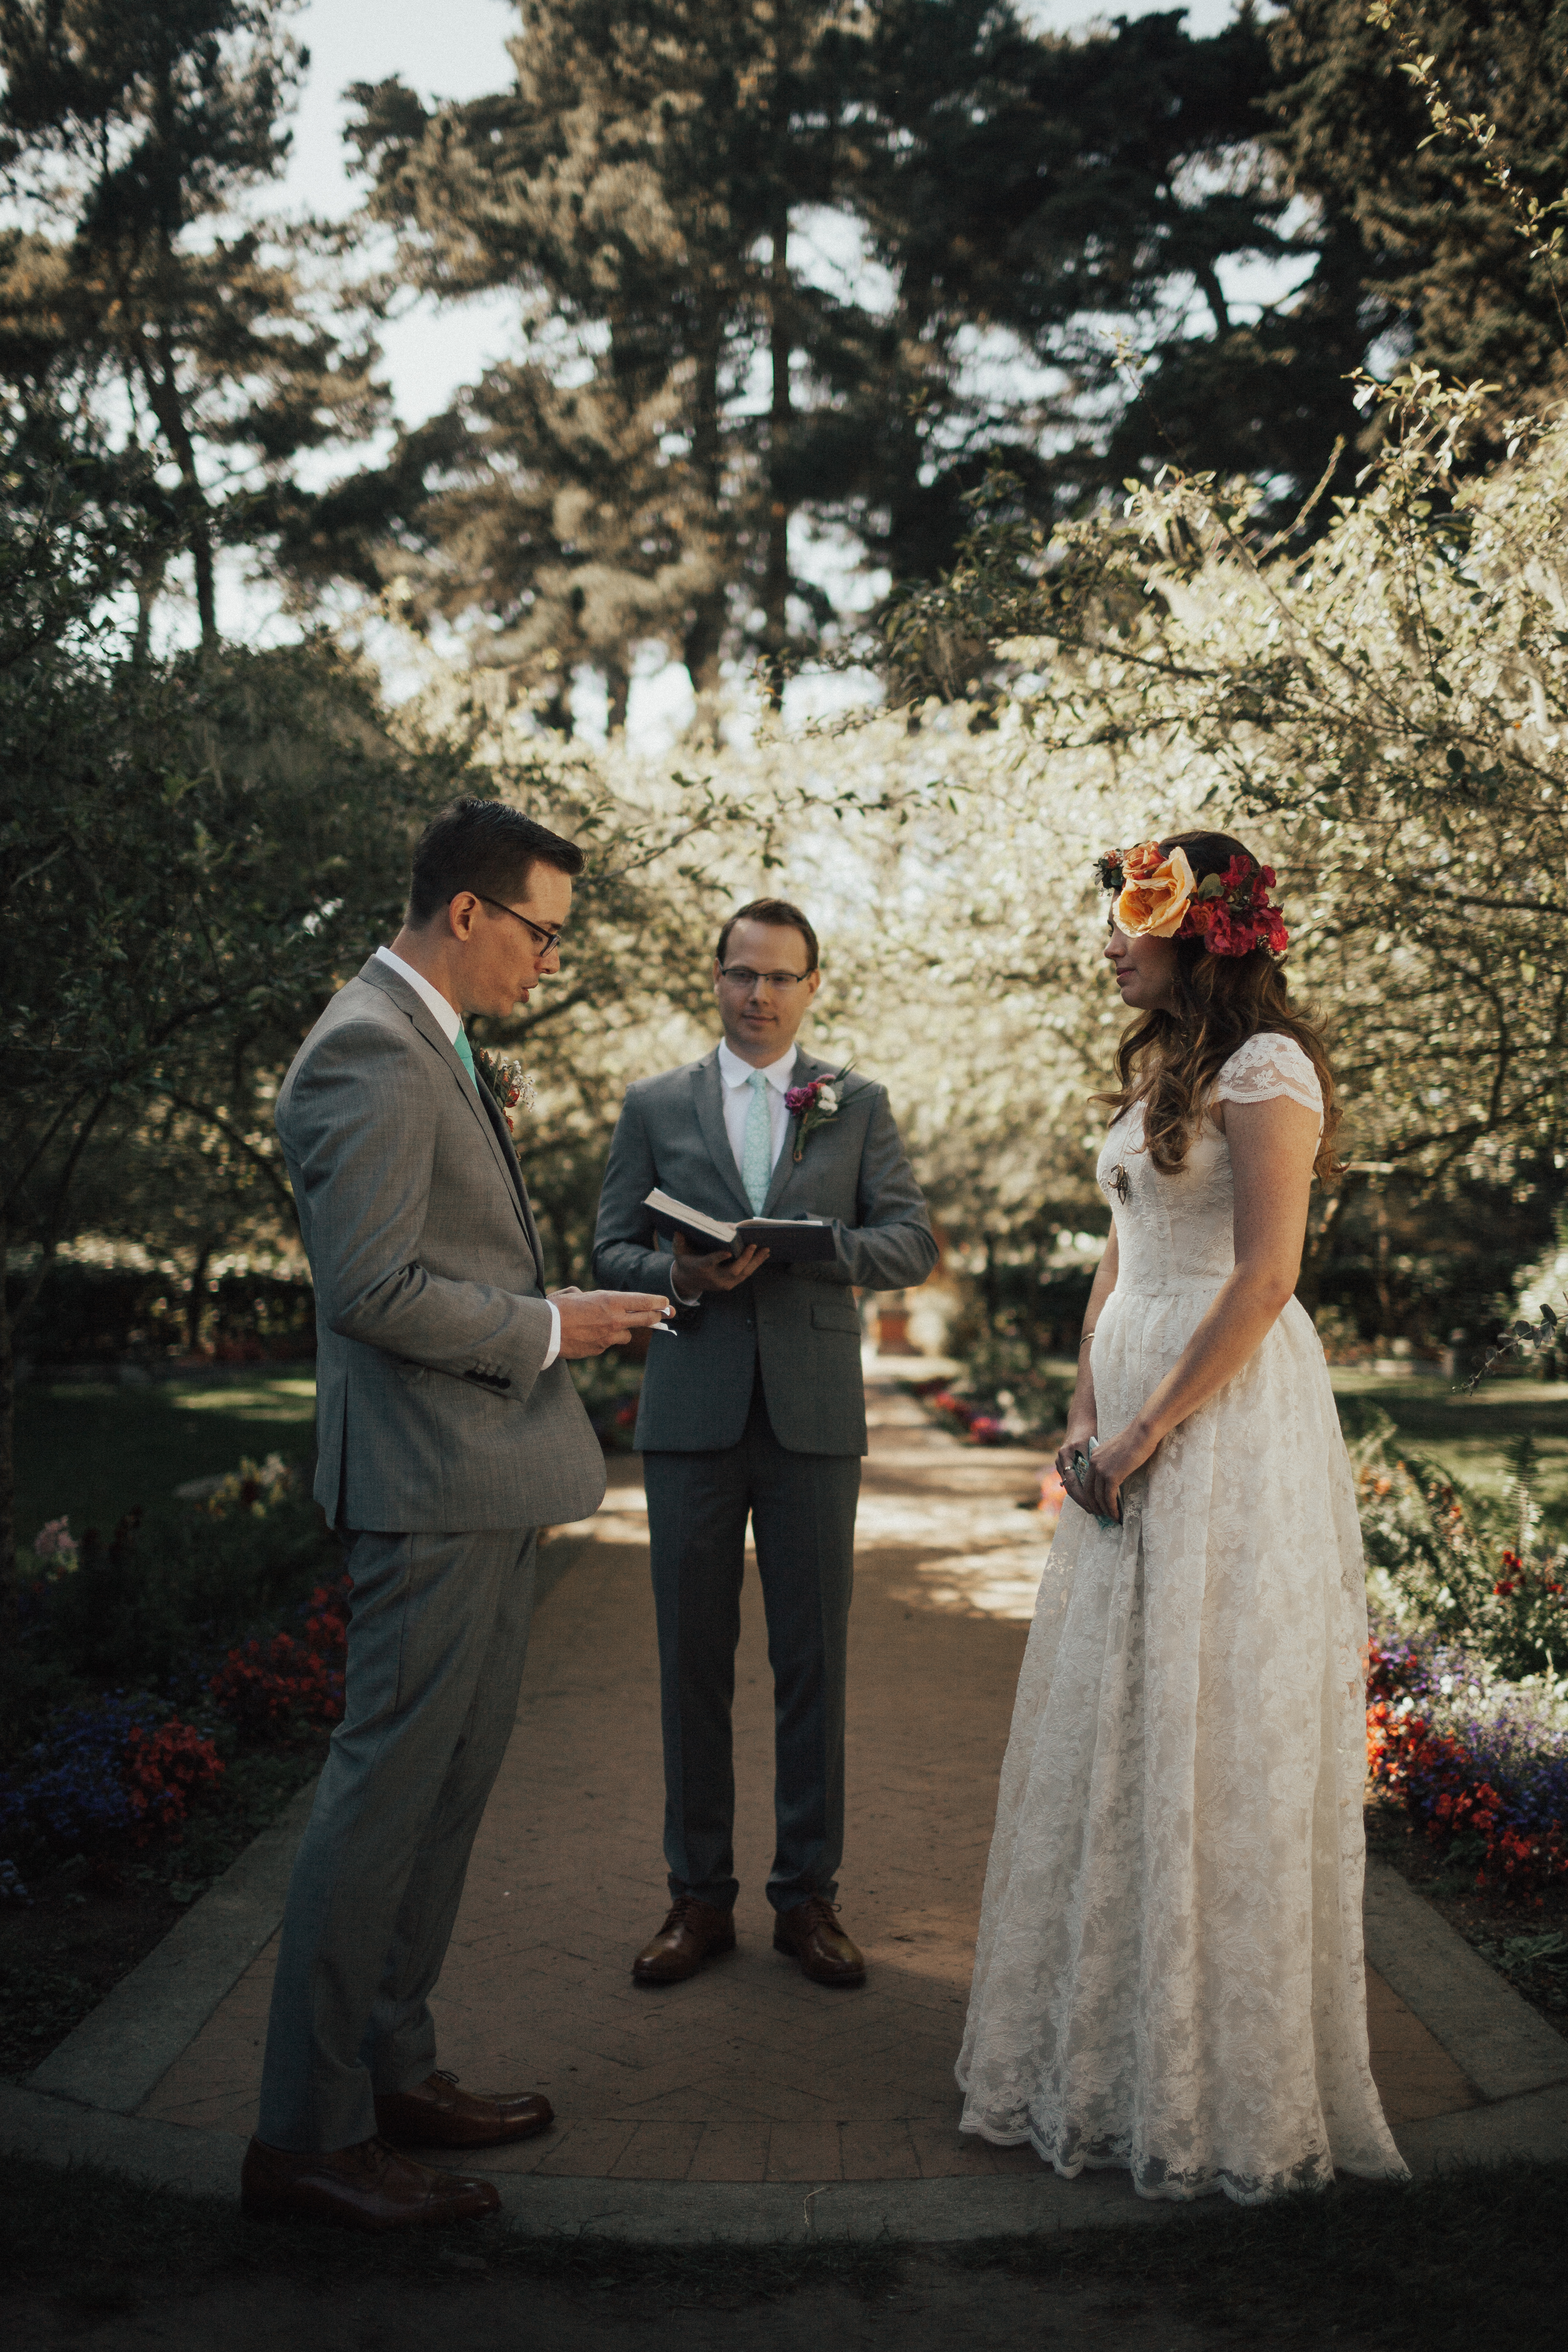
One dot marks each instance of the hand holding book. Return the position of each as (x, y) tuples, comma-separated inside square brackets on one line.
[(697, 1271), (791, 1239)]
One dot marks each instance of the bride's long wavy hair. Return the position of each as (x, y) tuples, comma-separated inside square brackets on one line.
[(1168, 1061)]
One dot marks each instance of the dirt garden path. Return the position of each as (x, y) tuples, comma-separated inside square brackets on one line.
[(748, 2073)]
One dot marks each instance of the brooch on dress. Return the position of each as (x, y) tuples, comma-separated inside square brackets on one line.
[(1120, 1183)]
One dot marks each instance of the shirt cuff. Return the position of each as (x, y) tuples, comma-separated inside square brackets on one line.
[(554, 1348), (678, 1295)]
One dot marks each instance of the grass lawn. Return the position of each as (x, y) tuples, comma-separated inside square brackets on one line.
[(1468, 1435), (95, 1449)]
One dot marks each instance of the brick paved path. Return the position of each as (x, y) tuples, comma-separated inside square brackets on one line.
[(748, 2073)]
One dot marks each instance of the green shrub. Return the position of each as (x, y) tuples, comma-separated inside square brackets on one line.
[(1483, 1572), (144, 1609)]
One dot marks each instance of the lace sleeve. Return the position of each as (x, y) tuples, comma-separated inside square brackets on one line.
[(1267, 1065)]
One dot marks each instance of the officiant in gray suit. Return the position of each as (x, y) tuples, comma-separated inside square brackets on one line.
[(448, 1431), (752, 1404)]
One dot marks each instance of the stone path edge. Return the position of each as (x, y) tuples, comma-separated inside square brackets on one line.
[(671, 2213), (1494, 2037), (115, 2058)]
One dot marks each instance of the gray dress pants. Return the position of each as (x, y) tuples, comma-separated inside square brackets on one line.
[(437, 1635), (802, 1508)]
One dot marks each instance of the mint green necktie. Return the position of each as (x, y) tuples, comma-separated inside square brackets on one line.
[(757, 1159), (465, 1053)]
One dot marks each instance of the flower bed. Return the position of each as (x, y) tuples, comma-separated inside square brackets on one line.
[(1481, 1764), (113, 1773), (263, 1684), (980, 1423), (103, 1772)]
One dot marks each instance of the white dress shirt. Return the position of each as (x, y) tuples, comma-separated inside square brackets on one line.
[(450, 1020), (735, 1079)]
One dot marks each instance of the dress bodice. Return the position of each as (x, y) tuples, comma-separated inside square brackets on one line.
[(1176, 1232)]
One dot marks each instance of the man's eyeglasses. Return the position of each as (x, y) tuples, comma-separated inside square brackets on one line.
[(547, 939), (743, 977)]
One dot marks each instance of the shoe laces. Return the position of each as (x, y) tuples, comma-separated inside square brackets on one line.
[(820, 1910)]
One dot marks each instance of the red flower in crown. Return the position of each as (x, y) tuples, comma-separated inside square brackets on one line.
[(1229, 912)]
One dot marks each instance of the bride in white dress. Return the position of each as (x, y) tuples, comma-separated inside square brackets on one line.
[(1168, 1975)]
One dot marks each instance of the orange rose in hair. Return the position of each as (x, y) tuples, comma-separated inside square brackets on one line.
[(1157, 901), (1142, 860)]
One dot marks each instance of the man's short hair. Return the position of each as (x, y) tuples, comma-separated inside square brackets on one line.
[(771, 910), (485, 847)]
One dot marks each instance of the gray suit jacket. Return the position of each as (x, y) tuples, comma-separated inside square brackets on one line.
[(800, 1321), (431, 1320)]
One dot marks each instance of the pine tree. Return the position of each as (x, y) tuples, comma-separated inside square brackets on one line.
[(136, 293), (1071, 191), (1441, 259), (635, 475)]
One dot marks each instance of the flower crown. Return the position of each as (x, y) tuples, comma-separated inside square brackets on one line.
[(1161, 897)]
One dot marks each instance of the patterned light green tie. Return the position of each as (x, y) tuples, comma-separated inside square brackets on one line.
[(465, 1053), (757, 1161)]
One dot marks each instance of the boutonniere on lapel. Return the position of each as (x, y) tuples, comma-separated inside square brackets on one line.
[(813, 1106), (509, 1082)]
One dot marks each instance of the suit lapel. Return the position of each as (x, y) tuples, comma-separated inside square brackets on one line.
[(483, 1112), (709, 1088), (514, 1167), (785, 1167)]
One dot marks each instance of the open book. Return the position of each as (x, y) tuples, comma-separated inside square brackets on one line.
[(789, 1240)]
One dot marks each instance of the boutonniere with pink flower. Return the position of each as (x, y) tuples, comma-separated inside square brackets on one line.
[(814, 1104), (510, 1085)]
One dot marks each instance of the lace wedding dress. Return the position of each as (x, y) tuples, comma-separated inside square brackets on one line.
[(1168, 1975)]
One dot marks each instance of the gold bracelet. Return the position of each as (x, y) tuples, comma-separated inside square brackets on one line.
[(1087, 1336)]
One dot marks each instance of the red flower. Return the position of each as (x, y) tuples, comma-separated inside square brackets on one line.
[(162, 1771)]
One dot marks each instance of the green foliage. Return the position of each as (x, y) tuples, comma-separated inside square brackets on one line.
[(1483, 1570), (1386, 715), (701, 372), (153, 1597), (1439, 129), (635, 187), (148, 1606), (133, 290)]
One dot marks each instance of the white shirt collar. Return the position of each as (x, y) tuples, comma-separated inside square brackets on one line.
[(450, 1019), (736, 1073)]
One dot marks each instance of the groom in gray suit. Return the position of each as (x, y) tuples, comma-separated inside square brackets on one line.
[(754, 1405), (448, 1431)]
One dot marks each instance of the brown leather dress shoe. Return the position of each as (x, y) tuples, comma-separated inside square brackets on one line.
[(693, 1933), (809, 1934), (370, 2187), (436, 2113)]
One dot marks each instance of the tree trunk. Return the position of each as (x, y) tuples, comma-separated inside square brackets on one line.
[(775, 578), (1321, 1241), (197, 1303), (704, 634), (9, 1593), (1208, 278), (161, 383)]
